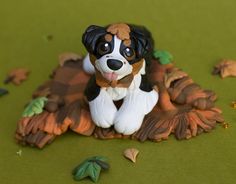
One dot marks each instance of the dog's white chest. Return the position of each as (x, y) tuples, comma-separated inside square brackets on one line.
[(119, 93)]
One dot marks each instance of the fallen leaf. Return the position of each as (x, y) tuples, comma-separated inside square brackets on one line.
[(225, 125), (19, 153), (3, 92), (91, 167), (131, 154), (163, 56), (42, 93), (174, 75), (17, 76), (35, 107), (233, 104), (68, 56), (225, 68)]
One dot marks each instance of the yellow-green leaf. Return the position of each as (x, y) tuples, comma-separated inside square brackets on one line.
[(35, 107)]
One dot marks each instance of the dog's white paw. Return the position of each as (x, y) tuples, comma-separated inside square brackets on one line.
[(103, 110), (136, 105), (148, 100), (128, 123)]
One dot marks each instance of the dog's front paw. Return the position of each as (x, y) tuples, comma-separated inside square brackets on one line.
[(145, 101), (128, 122), (135, 106), (103, 110)]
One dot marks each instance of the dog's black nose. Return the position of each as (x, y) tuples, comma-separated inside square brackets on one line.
[(114, 64)]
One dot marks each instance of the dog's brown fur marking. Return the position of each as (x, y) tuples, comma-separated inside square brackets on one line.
[(121, 30), (127, 43), (108, 37), (137, 67)]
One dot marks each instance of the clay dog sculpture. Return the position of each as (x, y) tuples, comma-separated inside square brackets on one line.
[(118, 56)]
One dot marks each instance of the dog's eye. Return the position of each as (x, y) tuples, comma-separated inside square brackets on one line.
[(129, 53), (104, 48)]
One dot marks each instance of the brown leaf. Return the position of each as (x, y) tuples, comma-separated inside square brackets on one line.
[(131, 154), (17, 76), (225, 125), (225, 68), (68, 56), (174, 75), (42, 93)]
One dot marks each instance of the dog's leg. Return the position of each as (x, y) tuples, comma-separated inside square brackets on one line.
[(101, 106), (136, 105)]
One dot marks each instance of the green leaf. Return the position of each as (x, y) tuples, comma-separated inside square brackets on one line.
[(102, 164), (80, 172), (163, 56), (91, 167), (35, 107), (94, 171), (101, 158)]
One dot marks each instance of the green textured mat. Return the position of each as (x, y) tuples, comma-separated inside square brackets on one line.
[(197, 33)]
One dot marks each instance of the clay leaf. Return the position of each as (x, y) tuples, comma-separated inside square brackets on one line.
[(120, 30), (225, 68), (163, 56), (63, 57), (87, 169), (131, 154), (91, 168), (174, 75), (17, 76), (35, 107), (229, 69), (42, 93), (3, 92)]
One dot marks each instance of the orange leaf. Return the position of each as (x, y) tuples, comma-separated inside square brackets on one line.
[(17, 76)]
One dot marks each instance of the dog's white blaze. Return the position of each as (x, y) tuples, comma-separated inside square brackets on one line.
[(101, 63)]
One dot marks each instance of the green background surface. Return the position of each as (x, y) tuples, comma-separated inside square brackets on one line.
[(197, 33)]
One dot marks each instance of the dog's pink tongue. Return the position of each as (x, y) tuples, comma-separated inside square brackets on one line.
[(110, 76)]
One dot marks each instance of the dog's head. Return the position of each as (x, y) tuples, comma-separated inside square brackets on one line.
[(118, 49)]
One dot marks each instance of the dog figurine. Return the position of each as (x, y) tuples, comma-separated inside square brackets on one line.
[(118, 59)]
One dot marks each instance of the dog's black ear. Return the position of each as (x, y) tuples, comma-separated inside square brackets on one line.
[(143, 40), (91, 35)]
